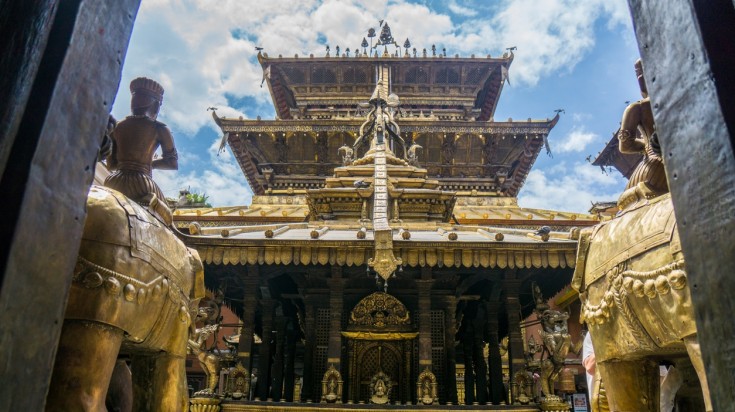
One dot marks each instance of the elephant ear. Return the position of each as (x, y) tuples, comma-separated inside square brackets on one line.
[(583, 247), (197, 288)]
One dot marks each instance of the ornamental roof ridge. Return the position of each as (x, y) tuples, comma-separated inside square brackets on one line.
[(391, 49)]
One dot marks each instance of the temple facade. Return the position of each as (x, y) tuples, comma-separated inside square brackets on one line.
[(384, 245)]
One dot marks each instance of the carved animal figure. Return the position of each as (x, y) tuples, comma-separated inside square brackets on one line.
[(133, 289), (412, 155), (632, 281)]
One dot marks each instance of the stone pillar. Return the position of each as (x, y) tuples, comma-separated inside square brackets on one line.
[(450, 328), (424, 314), (516, 356), (277, 368), (250, 303), (336, 302), (494, 360), (289, 377), (469, 370), (264, 355), (307, 388)]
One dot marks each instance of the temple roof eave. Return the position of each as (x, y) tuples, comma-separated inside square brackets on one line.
[(407, 125), (355, 253)]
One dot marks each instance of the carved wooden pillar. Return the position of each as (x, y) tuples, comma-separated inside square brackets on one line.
[(264, 355), (450, 328), (289, 377), (515, 338), (250, 303), (424, 313), (478, 358), (336, 302), (469, 371), (277, 368), (494, 360), (307, 388)]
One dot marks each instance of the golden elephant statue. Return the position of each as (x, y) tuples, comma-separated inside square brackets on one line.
[(133, 289), (632, 281)]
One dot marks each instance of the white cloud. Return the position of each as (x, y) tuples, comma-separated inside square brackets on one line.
[(573, 190), (222, 180), (551, 35), (460, 10), (203, 52), (577, 140)]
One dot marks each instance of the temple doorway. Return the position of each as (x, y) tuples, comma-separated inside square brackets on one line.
[(381, 343)]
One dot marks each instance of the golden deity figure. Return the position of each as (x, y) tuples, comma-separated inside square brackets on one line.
[(638, 135), (208, 358), (135, 141)]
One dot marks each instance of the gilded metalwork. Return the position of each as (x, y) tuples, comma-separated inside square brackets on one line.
[(133, 289), (632, 279), (380, 387), (205, 405), (379, 310), (427, 388), (209, 359), (240, 381), (332, 386), (135, 139), (638, 135)]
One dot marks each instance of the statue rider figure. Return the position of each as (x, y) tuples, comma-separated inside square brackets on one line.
[(135, 141), (638, 135)]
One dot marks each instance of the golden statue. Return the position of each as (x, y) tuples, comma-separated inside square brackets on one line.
[(638, 135), (632, 281), (133, 289), (380, 388), (135, 140), (332, 386), (427, 388), (208, 359)]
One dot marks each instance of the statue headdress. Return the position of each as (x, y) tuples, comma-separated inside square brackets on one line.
[(147, 87)]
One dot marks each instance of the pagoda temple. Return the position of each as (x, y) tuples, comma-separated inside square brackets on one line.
[(384, 245)]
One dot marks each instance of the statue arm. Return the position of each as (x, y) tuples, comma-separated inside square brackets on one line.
[(170, 158), (112, 157), (628, 143)]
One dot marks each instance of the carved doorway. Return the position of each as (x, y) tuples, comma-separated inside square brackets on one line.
[(380, 339), (392, 358)]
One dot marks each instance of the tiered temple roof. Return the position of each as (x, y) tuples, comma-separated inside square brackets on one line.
[(447, 107)]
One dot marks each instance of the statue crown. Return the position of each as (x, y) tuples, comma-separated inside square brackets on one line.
[(148, 87)]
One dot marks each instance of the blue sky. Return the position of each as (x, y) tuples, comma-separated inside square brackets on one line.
[(572, 55)]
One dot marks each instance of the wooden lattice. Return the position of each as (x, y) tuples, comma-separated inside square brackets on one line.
[(447, 76), (438, 359), (417, 75), (390, 364), (295, 75), (320, 352), (475, 75), (322, 75)]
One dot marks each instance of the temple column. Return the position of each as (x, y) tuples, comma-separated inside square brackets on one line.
[(307, 387), (469, 371), (424, 313), (289, 377), (250, 303), (336, 302), (264, 355), (478, 359), (494, 360), (450, 329), (516, 357), (277, 368)]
